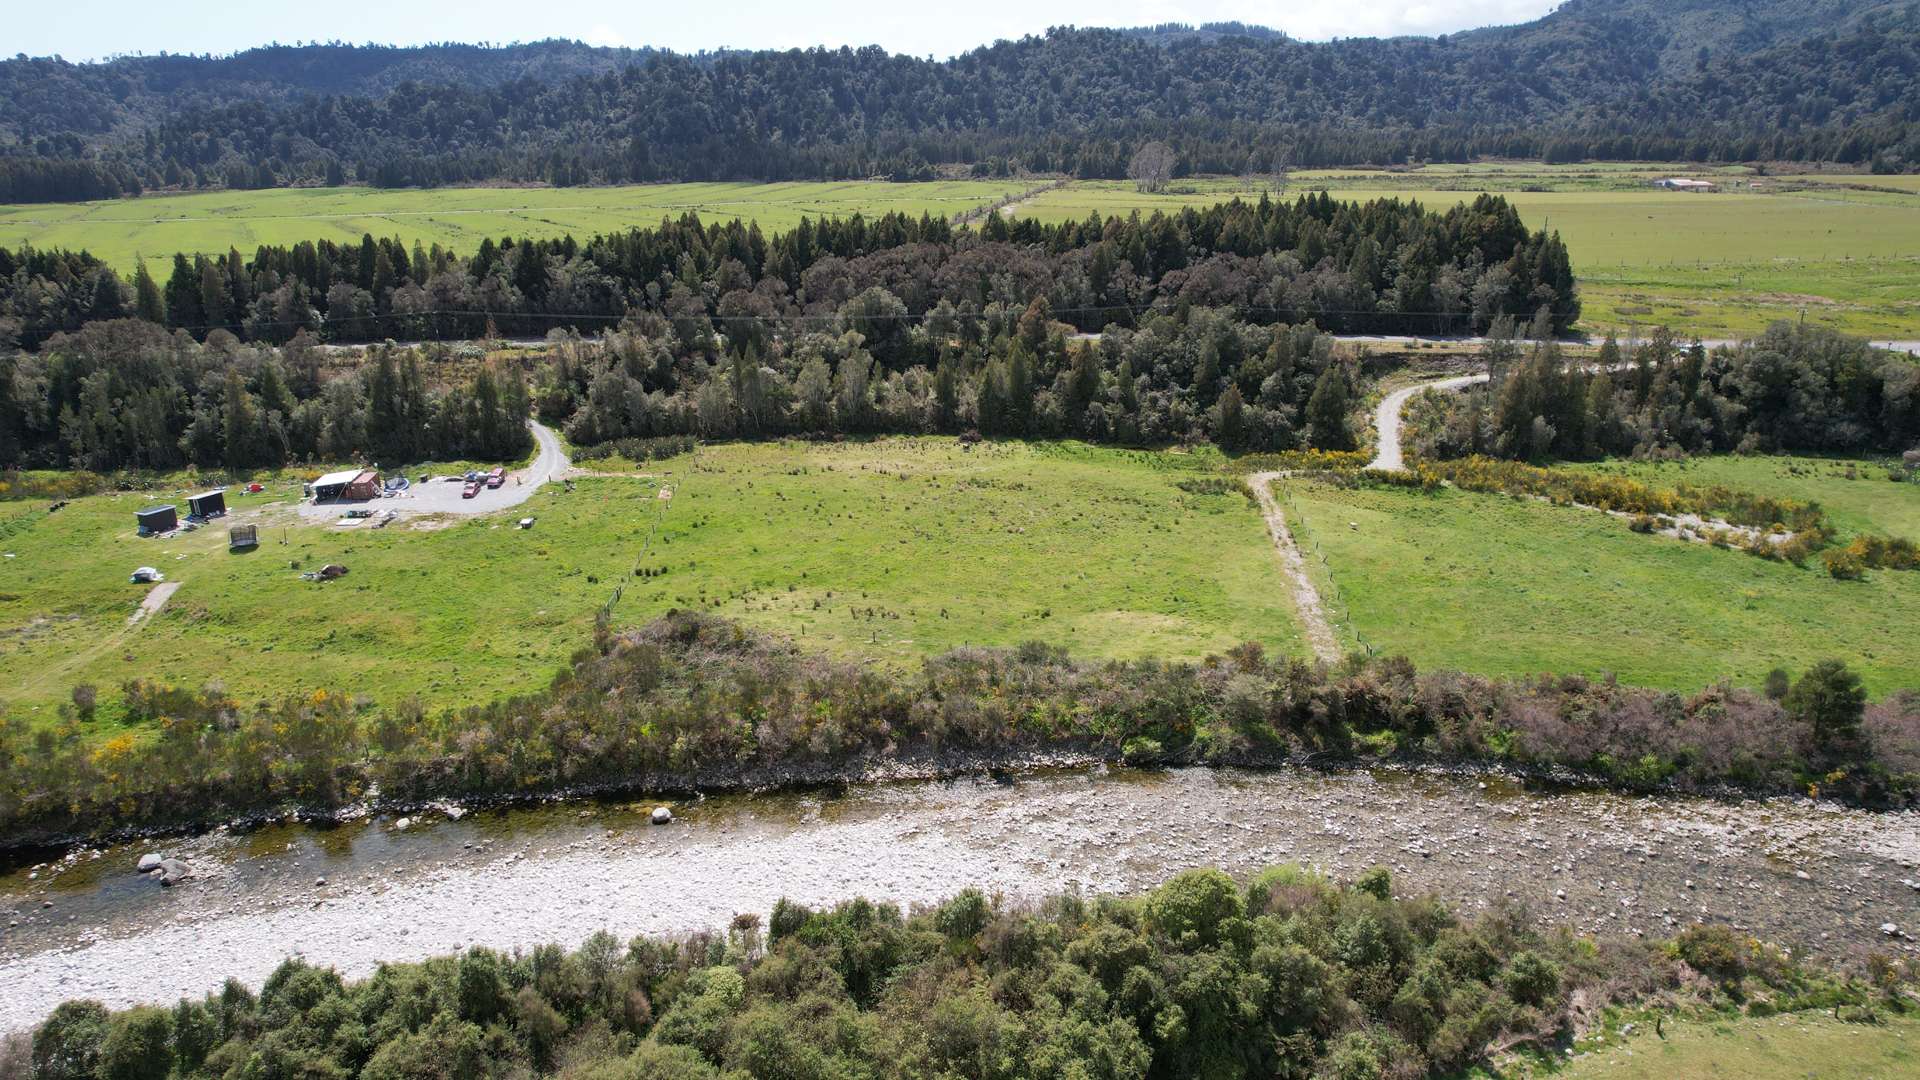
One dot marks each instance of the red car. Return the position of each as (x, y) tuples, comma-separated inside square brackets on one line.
[(497, 477), (470, 490)]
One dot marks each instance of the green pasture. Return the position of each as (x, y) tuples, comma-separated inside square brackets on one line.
[(1501, 585), (1837, 249), (893, 549), (1611, 228), (886, 550), (1717, 265), (156, 226), (1792, 1046), (1902, 182), (1877, 298)]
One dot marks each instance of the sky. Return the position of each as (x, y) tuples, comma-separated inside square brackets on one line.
[(102, 28)]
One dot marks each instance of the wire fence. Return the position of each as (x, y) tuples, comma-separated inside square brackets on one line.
[(661, 505), (1333, 601)]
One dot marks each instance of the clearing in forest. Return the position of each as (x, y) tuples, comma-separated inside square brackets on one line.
[(889, 549)]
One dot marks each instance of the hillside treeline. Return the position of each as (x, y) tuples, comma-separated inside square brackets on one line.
[(1189, 376), (697, 701), (1384, 265), (130, 395), (1794, 388), (901, 324), (1595, 80), (1289, 975)]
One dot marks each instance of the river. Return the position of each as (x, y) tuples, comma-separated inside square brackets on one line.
[(1821, 878)]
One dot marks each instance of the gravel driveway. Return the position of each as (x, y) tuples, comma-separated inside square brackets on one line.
[(440, 496)]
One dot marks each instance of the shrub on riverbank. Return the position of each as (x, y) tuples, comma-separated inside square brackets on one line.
[(695, 700), (1289, 975)]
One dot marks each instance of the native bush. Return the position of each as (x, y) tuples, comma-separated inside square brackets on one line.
[(693, 699), (1291, 975)]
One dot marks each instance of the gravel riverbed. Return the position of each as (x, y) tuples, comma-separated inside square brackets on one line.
[(1817, 877)]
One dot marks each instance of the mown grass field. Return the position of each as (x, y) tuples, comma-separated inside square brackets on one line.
[(1798, 1046), (1507, 586), (118, 230), (1718, 265), (888, 550)]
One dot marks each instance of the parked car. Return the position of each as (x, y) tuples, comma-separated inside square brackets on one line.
[(497, 477), (470, 490)]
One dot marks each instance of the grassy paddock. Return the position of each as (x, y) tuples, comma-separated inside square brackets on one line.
[(1510, 586), (1795, 1046), (897, 548), (1719, 265), (157, 226), (888, 550), (1837, 247)]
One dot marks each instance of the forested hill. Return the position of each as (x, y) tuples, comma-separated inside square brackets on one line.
[(1696, 79)]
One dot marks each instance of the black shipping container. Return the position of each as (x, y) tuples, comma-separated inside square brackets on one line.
[(209, 504), (158, 518)]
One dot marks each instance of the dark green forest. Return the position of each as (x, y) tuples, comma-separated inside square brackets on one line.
[(901, 324), (1383, 266), (1705, 80), (1289, 975), (1792, 388)]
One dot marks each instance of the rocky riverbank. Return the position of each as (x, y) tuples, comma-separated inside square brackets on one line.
[(1820, 878)]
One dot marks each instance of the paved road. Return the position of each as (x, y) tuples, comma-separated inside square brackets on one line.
[(1386, 419), (443, 496)]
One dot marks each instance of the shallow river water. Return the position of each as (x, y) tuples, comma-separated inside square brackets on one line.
[(1820, 878)]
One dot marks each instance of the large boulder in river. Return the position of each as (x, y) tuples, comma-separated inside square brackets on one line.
[(148, 862), (662, 815), (173, 872)]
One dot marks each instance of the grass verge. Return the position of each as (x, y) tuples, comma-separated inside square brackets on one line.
[(887, 550), (1504, 585)]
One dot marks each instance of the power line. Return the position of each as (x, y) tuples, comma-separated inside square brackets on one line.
[(796, 318)]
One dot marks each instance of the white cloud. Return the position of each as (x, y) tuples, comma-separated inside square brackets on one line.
[(1322, 19), (604, 35), (905, 30)]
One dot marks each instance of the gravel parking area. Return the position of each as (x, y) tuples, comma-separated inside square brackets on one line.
[(440, 496)]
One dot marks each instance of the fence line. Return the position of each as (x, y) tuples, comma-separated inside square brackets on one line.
[(1334, 601), (660, 508)]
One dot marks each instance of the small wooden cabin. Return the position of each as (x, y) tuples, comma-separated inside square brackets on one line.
[(157, 519)]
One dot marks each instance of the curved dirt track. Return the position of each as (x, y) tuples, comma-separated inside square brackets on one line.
[(1306, 598), (1386, 418)]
